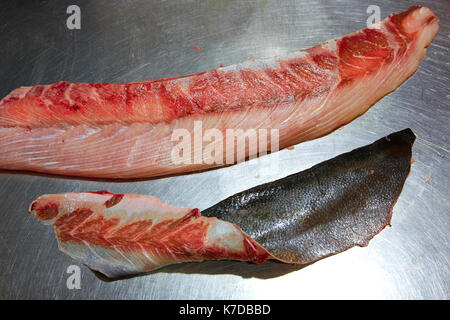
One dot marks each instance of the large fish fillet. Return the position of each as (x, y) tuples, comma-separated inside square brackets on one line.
[(125, 130), (304, 217)]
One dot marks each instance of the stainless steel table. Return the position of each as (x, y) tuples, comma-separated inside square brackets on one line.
[(124, 41)]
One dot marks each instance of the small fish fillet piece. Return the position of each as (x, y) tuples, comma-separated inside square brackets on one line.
[(301, 218), (122, 234), (125, 130)]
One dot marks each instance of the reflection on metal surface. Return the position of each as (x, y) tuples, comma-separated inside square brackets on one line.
[(141, 40)]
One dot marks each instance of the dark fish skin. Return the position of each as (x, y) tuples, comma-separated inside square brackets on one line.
[(328, 208)]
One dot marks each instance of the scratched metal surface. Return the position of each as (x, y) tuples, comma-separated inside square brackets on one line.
[(123, 41)]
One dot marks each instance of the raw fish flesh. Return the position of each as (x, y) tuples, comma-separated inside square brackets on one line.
[(299, 219), (109, 130)]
